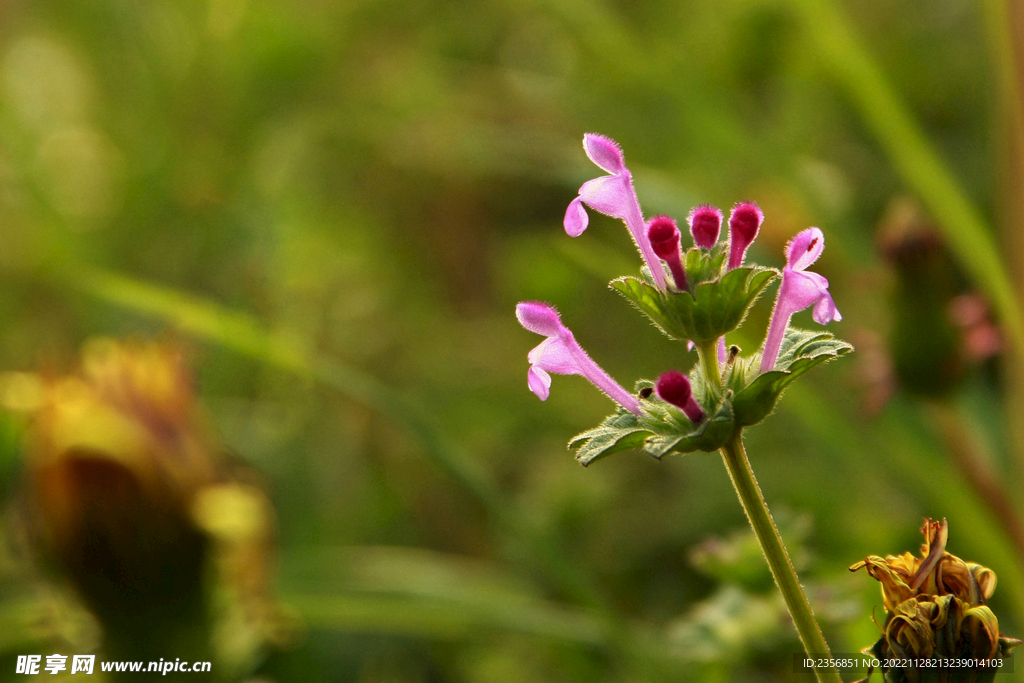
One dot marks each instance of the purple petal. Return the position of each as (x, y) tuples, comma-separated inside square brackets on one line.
[(576, 218), (558, 355), (604, 152), (773, 340), (614, 196), (804, 249), (563, 356), (825, 310), (800, 290), (539, 317), (609, 194), (539, 382)]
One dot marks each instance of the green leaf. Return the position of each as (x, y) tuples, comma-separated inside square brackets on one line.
[(801, 350), (702, 266), (715, 307), (619, 432), (660, 430), (708, 436), (749, 397)]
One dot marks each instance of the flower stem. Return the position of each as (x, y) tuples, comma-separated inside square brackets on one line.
[(743, 480), (708, 355)]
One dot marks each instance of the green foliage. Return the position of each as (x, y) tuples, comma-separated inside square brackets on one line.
[(336, 205), (749, 398), (661, 430), (619, 432), (716, 306), (755, 393)]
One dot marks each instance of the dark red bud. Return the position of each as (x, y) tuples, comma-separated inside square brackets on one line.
[(664, 238), (744, 223), (673, 387), (705, 225)]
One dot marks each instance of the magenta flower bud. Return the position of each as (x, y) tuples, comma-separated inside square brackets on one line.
[(560, 354), (744, 222), (664, 237), (705, 224), (673, 387)]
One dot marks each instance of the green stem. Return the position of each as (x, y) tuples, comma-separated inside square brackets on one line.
[(707, 352), (743, 480)]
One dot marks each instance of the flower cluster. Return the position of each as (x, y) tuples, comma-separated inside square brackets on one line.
[(696, 295), (935, 608)]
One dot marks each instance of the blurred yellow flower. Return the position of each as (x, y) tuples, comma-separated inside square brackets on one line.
[(130, 500)]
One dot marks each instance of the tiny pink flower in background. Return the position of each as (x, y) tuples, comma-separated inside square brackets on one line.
[(664, 237), (744, 222), (612, 195), (674, 387), (705, 225), (560, 354), (799, 289), (980, 337)]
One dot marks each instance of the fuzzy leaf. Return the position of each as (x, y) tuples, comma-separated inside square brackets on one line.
[(702, 266), (661, 429), (619, 432), (801, 351), (715, 307), (708, 436), (748, 398)]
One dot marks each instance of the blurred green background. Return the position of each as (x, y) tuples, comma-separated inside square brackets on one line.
[(335, 206)]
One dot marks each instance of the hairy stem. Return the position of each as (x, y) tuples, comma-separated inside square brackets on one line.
[(743, 480), (708, 355)]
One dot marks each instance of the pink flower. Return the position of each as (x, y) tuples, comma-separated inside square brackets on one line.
[(799, 289), (612, 195), (560, 354)]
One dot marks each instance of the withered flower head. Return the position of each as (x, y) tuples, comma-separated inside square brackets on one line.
[(935, 573), (129, 500), (115, 455), (133, 403), (935, 607)]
